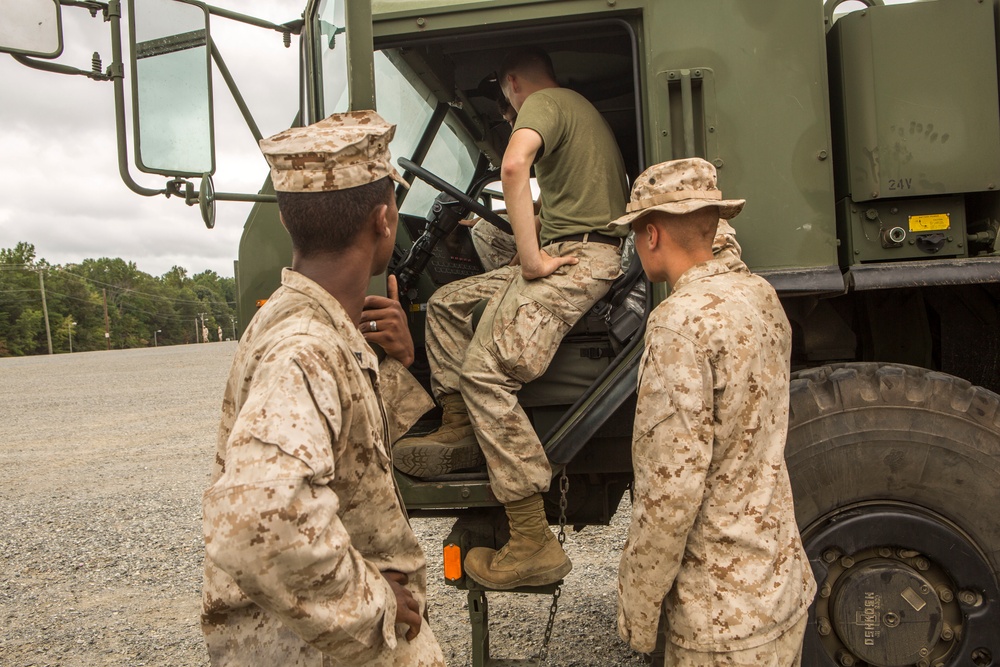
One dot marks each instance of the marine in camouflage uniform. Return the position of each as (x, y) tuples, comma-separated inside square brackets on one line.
[(304, 526), (713, 548), (568, 263)]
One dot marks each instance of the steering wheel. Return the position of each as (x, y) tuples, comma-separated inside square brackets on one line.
[(465, 200)]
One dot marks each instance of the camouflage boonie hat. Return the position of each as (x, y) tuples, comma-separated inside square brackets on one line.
[(343, 151), (678, 187)]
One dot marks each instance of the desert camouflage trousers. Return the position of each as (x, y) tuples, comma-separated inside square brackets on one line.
[(785, 651), (495, 248), (514, 343)]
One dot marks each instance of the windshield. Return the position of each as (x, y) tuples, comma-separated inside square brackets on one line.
[(403, 99)]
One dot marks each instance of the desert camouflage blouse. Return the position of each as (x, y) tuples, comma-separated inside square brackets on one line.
[(713, 535), (302, 513)]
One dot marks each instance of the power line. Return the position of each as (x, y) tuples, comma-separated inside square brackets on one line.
[(90, 302), (121, 288), (135, 291)]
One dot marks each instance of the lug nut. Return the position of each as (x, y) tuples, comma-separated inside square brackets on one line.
[(947, 634), (923, 652), (847, 561), (884, 552), (823, 626), (968, 597), (825, 591), (830, 556), (845, 658), (945, 594), (921, 564)]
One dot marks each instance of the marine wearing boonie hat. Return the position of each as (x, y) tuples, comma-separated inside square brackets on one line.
[(678, 187), (343, 151)]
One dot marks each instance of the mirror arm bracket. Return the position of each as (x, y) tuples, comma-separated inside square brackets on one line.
[(46, 66), (92, 5), (239, 196), (292, 27), (181, 187), (235, 90)]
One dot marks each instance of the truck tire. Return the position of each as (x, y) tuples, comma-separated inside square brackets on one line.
[(895, 472)]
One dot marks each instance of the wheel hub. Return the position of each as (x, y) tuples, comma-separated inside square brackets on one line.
[(886, 613), (899, 586)]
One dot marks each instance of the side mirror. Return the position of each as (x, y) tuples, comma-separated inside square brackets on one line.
[(31, 28), (171, 87)]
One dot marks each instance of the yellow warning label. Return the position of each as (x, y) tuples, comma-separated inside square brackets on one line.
[(930, 223)]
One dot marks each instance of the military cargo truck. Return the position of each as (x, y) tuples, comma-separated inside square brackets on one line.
[(867, 144)]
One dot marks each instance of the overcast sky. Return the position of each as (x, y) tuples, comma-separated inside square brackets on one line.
[(58, 160)]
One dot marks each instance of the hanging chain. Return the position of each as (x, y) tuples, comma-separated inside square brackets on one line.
[(543, 654)]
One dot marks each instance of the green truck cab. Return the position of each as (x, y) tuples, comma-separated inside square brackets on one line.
[(867, 146)]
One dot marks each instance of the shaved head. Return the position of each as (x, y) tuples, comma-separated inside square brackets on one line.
[(530, 63), (691, 231)]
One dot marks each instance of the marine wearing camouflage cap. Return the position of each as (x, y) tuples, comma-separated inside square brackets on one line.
[(713, 562), (678, 187), (309, 557), (343, 151)]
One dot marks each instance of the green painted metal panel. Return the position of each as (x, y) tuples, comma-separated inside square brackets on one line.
[(265, 248), (360, 59), (770, 131), (917, 108), (912, 228), (391, 20)]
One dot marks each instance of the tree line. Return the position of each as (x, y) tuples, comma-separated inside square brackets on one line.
[(142, 310)]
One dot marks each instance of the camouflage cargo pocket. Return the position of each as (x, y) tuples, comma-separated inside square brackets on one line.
[(526, 334), (605, 263)]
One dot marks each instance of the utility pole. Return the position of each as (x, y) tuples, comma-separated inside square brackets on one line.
[(196, 330), (107, 325), (45, 308)]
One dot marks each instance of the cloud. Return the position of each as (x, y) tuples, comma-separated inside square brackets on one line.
[(58, 151)]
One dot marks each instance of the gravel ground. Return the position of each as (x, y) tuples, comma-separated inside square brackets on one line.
[(103, 459)]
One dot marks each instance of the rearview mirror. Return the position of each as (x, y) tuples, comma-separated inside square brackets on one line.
[(171, 87), (31, 28)]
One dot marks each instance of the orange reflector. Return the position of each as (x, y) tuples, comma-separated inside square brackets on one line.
[(452, 562), (261, 302)]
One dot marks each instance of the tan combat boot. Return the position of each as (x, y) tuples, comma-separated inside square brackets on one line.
[(452, 447), (532, 557)]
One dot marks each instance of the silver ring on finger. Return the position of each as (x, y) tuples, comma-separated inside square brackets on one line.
[(372, 326)]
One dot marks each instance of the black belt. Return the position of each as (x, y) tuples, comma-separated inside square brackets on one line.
[(589, 237)]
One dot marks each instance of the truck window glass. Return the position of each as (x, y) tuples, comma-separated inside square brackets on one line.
[(404, 100), (333, 55), (451, 157)]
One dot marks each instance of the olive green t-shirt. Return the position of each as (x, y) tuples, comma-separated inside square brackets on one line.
[(579, 168)]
